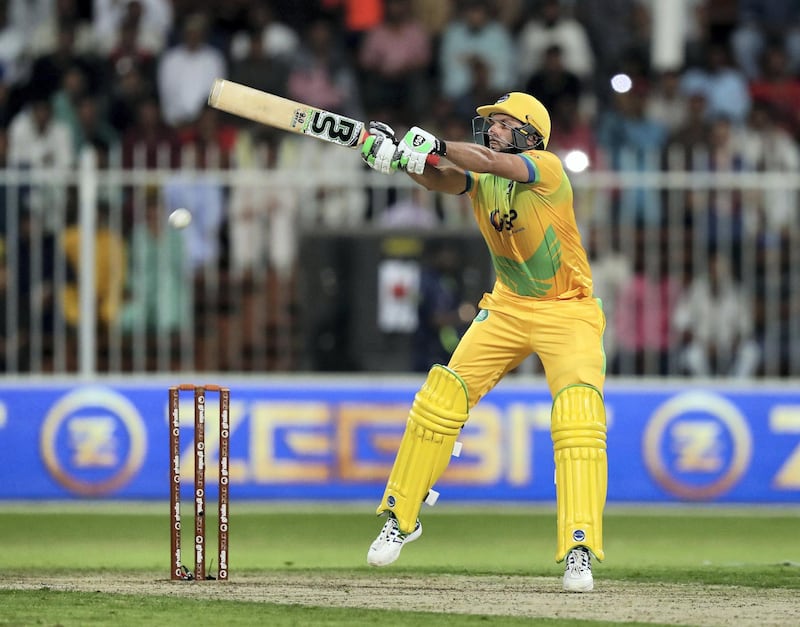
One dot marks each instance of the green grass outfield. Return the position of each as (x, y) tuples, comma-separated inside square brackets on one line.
[(730, 546)]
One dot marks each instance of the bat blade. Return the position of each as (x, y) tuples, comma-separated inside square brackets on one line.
[(288, 115)]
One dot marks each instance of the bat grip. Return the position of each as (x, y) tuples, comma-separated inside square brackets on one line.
[(433, 160)]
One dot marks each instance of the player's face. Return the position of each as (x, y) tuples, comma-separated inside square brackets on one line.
[(501, 132)]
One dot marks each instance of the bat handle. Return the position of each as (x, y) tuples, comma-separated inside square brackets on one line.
[(433, 159)]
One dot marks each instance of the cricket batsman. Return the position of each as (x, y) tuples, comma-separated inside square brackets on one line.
[(541, 302)]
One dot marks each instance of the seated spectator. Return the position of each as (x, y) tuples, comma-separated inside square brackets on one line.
[(26, 15), (93, 128), (644, 310), (321, 74), (714, 319), (575, 132), (334, 202), (552, 80), (776, 302), (209, 143), (768, 147), (550, 27), (33, 280), (687, 144), (479, 93), (760, 22), (158, 301), (724, 85), (128, 53), (261, 218), (722, 213), (475, 34), (633, 143), (48, 69), (150, 143), (272, 38), (186, 73), (779, 88), (355, 16), (259, 68), (609, 29), (204, 197), (128, 90), (45, 32), (12, 48), (37, 141), (666, 103), (409, 211), (394, 59), (110, 271), (65, 101), (152, 19), (442, 315), (611, 273), (206, 145), (434, 16), (576, 144)]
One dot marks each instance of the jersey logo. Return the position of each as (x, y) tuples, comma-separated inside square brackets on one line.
[(504, 221)]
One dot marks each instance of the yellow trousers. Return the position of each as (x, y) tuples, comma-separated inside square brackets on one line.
[(567, 335)]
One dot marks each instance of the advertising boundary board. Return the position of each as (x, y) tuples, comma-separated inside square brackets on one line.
[(312, 438)]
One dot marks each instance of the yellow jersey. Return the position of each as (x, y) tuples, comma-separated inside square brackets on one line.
[(531, 232)]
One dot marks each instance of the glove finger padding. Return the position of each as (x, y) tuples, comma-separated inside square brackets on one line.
[(378, 153)]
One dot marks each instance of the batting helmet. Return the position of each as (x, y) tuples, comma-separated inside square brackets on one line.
[(526, 109)]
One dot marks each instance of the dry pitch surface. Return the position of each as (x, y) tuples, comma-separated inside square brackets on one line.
[(614, 601)]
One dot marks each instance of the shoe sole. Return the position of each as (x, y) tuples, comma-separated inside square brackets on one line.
[(578, 586), (413, 535), (409, 538)]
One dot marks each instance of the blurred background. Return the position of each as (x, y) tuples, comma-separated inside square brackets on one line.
[(678, 121)]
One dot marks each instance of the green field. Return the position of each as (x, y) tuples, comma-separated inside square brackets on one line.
[(755, 549)]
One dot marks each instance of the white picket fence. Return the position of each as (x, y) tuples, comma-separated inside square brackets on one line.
[(222, 295)]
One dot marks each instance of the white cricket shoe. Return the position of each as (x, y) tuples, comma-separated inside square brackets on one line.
[(387, 546), (578, 573)]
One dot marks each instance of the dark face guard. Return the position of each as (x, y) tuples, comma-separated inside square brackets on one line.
[(520, 135)]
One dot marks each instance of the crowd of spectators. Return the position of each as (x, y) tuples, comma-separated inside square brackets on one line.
[(130, 78), (99, 64)]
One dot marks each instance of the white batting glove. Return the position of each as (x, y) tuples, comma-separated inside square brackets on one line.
[(379, 148), (414, 148)]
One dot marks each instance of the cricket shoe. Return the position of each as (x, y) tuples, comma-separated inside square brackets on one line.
[(578, 573), (387, 546)]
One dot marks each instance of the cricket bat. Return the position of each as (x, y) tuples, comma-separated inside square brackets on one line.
[(288, 115)]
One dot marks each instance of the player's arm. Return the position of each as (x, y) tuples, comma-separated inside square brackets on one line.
[(417, 144), (482, 159), (415, 148), (380, 152), (442, 178)]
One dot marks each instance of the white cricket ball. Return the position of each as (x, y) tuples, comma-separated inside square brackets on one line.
[(180, 218)]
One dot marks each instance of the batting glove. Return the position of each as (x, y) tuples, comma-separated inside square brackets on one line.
[(379, 149), (414, 148)]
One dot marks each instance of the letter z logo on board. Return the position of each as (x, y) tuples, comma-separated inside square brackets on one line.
[(93, 441)]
